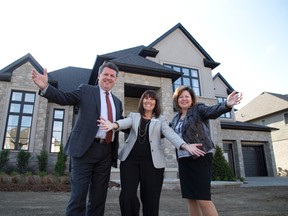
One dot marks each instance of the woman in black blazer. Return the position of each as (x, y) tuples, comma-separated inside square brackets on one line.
[(191, 123)]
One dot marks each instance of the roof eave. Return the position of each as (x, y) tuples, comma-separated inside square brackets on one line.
[(151, 52), (149, 72), (5, 77), (210, 64), (234, 126)]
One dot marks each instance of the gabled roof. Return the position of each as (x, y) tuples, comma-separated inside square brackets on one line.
[(280, 96), (133, 60), (208, 61), (138, 50), (6, 73), (263, 105), (229, 87), (65, 79), (69, 78)]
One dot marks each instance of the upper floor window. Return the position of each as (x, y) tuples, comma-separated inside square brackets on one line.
[(190, 78), (225, 115), (57, 130), (286, 118), (19, 120)]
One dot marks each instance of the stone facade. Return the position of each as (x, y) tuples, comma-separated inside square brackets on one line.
[(164, 90), (21, 80), (177, 48), (239, 138)]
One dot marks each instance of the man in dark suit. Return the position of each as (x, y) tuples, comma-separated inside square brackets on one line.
[(91, 156)]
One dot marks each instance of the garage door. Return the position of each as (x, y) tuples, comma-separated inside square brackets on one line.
[(254, 160)]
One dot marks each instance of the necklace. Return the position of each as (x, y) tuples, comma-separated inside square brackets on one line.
[(142, 130), (182, 116)]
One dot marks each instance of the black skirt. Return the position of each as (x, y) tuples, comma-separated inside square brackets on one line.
[(195, 177)]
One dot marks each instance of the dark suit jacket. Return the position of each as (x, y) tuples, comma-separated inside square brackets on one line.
[(87, 98)]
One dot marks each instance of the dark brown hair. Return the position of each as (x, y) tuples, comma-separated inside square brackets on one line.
[(110, 65), (179, 91), (157, 108)]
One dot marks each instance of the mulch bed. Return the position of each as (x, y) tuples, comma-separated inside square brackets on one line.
[(36, 188), (36, 183)]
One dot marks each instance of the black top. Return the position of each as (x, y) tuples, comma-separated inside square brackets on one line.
[(141, 150)]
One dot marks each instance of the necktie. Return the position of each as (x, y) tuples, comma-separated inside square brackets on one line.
[(109, 134)]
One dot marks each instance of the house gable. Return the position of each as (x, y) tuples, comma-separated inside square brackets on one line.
[(174, 37), (7, 72), (265, 104), (134, 60), (178, 48), (221, 86), (176, 45), (222, 89)]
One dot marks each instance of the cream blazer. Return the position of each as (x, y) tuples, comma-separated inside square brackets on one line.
[(157, 127)]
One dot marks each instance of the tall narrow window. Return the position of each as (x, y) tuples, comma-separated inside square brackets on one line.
[(286, 118), (190, 78), (57, 130), (225, 115), (19, 122)]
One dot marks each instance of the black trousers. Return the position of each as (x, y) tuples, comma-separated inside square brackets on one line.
[(90, 176), (133, 173)]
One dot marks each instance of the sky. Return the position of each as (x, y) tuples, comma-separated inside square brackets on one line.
[(248, 37)]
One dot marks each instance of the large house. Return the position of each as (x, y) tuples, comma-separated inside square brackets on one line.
[(271, 110), (30, 122)]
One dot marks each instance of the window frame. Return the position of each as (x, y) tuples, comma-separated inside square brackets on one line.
[(52, 128), (21, 114), (188, 76), (285, 118), (227, 115)]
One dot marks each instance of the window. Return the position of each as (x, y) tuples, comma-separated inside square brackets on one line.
[(229, 155), (19, 121), (225, 115), (263, 122), (190, 78), (286, 118), (57, 130)]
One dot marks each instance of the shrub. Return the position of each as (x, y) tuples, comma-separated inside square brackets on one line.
[(242, 179), (10, 169), (221, 170), (42, 174), (14, 173), (43, 161), (22, 161), (4, 158), (28, 173), (60, 165)]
